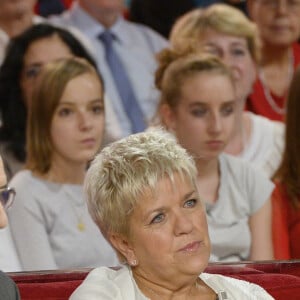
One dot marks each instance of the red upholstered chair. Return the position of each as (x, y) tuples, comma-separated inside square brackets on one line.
[(280, 278), (48, 285)]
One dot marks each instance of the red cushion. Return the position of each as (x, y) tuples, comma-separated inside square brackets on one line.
[(280, 279)]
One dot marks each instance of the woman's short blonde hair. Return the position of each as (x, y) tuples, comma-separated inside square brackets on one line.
[(124, 171), (189, 28), (46, 96)]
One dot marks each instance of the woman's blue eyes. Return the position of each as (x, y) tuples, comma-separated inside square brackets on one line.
[(225, 111), (157, 219), (190, 203), (220, 53), (161, 216)]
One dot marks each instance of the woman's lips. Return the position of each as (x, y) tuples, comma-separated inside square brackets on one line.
[(191, 247), (215, 145), (90, 142)]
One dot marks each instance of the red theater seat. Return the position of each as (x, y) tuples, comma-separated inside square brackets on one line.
[(280, 278)]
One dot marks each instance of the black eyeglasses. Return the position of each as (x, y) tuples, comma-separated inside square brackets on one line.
[(7, 196)]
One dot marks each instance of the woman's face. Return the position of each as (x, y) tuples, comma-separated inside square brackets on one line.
[(168, 232), (3, 183), (234, 52), (38, 54), (278, 21), (204, 118), (78, 121)]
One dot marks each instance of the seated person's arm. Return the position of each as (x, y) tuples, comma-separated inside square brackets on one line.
[(261, 234)]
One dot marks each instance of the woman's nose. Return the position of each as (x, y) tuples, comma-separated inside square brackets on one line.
[(215, 123), (84, 120), (183, 223)]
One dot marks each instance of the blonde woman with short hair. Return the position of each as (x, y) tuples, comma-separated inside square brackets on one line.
[(142, 194)]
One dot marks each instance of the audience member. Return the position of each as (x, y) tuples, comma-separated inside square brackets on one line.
[(143, 197), (50, 222), (26, 54), (198, 104), (125, 56), (286, 203), (278, 22), (225, 32), (15, 17), (8, 289)]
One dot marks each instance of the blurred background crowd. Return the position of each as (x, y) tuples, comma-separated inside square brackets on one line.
[(221, 76)]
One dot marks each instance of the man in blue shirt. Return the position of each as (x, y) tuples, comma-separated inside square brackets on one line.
[(135, 46)]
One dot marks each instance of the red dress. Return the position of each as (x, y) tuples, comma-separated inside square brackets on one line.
[(285, 226), (257, 101)]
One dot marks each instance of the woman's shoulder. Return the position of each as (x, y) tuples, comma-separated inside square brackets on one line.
[(237, 167), (25, 178), (107, 283), (27, 184), (266, 131), (235, 288), (264, 125), (22, 177), (241, 169), (251, 183), (265, 145)]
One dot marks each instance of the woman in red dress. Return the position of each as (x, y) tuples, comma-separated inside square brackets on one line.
[(278, 22)]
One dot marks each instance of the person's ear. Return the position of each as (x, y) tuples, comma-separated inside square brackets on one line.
[(168, 116), (123, 245)]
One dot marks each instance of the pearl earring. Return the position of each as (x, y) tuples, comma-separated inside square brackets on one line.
[(134, 262)]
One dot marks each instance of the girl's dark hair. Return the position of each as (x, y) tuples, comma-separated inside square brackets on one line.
[(12, 107), (288, 172)]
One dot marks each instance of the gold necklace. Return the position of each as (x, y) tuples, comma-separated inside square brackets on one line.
[(80, 223)]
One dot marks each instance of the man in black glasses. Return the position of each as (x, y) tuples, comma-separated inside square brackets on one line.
[(8, 289)]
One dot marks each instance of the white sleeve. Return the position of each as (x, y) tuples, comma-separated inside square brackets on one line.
[(259, 188)]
